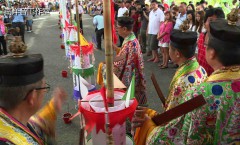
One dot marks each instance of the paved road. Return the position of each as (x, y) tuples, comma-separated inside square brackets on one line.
[(45, 40)]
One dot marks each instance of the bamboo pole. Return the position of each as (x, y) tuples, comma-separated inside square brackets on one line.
[(82, 128), (108, 48), (77, 21), (70, 11)]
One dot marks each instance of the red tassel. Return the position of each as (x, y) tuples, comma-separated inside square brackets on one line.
[(103, 94), (62, 46)]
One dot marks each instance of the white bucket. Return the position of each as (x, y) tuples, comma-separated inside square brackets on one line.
[(119, 131)]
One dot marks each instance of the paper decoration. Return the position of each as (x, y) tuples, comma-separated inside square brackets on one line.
[(83, 88), (130, 92), (84, 72), (117, 83), (94, 119)]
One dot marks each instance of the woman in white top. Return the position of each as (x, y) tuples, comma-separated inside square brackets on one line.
[(199, 27), (191, 20)]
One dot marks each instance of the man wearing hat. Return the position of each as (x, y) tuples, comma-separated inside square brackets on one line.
[(210, 15), (132, 59), (189, 73), (218, 121), (22, 89)]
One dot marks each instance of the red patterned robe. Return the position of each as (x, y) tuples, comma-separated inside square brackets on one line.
[(133, 61), (202, 55)]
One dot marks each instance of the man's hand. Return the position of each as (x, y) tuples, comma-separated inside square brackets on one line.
[(59, 97), (139, 117), (138, 122)]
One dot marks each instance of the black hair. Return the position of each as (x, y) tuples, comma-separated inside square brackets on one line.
[(133, 8), (200, 24), (126, 22), (228, 56), (163, 9), (188, 51), (154, 1), (203, 1), (128, 1), (193, 16), (137, 3), (218, 12), (184, 3), (210, 7), (191, 5)]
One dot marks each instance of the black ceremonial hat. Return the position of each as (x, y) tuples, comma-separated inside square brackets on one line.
[(183, 40), (20, 71), (224, 35), (125, 21), (224, 39)]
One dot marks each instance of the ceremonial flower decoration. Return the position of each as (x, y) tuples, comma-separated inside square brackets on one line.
[(210, 120), (177, 91), (172, 132), (196, 123), (215, 105)]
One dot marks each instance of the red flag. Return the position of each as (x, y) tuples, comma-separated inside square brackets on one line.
[(103, 94), (114, 36)]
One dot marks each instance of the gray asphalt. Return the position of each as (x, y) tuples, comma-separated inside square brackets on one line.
[(45, 40)]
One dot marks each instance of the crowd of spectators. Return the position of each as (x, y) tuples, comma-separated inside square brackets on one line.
[(154, 21), (16, 18)]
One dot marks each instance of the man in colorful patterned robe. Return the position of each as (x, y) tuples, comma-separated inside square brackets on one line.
[(132, 59), (189, 74), (22, 88), (218, 122)]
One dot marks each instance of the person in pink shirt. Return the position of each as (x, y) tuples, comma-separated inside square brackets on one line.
[(164, 38), (3, 34)]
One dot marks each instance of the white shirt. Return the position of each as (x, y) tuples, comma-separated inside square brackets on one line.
[(80, 9), (180, 20), (155, 18), (121, 11)]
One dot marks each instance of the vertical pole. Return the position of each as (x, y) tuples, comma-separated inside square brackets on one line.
[(70, 11), (77, 21), (82, 129), (108, 49)]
